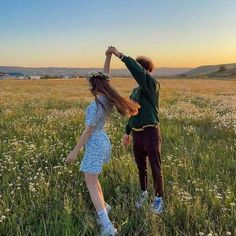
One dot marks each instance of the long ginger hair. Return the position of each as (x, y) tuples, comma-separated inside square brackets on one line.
[(101, 85)]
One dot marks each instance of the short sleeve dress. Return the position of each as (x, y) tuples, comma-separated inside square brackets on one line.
[(98, 147)]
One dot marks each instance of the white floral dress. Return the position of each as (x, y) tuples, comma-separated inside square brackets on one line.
[(98, 147)]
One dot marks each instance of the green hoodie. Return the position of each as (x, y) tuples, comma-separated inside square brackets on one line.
[(146, 94)]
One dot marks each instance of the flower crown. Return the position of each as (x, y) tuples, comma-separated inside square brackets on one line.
[(101, 75)]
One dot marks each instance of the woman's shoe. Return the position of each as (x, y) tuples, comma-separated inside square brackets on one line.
[(108, 208), (110, 230)]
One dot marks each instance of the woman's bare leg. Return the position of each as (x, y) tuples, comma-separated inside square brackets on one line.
[(100, 187), (96, 195), (95, 191)]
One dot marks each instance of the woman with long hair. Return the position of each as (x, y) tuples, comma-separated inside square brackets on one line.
[(96, 142)]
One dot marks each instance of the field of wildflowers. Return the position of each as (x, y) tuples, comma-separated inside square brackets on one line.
[(39, 195)]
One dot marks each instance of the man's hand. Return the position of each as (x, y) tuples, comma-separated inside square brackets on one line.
[(71, 157), (126, 139), (114, 51)]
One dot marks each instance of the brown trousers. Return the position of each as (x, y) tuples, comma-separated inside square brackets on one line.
[(147, 143)]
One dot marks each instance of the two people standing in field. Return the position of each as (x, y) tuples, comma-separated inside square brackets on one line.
[(142, 108)]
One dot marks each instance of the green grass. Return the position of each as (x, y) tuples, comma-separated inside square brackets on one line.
[(42, 196)]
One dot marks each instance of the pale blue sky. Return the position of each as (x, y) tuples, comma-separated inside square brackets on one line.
[(75, 33)]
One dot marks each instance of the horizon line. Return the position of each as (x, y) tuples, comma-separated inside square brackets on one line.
[(120, 68)]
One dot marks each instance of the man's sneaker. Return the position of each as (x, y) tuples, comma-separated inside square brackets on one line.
[(158, 205), (142, 199), (108, 208), (110, 230)]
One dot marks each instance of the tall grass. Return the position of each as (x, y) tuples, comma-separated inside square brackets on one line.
[(39, 195)]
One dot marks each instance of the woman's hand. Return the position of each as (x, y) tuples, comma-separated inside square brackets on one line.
[(71, 157), (108, 52)]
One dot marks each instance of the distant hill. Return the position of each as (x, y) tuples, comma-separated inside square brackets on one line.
[(63, 71), (222, 70), (223, 73), (2, 73), (171, 71)]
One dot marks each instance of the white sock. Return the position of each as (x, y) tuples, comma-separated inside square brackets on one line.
[(103, 216), (157, 198), (144, 193)]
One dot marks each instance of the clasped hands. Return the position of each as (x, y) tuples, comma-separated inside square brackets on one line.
[(112, 50)]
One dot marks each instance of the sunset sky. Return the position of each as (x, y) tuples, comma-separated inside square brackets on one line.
[(75, 33)]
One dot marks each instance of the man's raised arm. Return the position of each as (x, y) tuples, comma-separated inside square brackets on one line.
[(137, 71)]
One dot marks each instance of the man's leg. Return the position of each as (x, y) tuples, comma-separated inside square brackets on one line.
[(153, 148), (141, 159)]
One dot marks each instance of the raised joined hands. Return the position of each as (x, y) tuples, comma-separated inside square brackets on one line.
[(112, 50)]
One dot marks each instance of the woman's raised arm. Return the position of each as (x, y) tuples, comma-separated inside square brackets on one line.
[(106, 68)]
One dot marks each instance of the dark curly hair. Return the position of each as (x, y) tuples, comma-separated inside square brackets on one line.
[(146, 63)]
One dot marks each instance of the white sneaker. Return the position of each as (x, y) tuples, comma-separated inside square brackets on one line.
[(142, 200), (108, 208), (158, 205), (110, 230)]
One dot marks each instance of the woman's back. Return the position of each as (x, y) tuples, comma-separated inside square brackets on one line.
[(97, 113)]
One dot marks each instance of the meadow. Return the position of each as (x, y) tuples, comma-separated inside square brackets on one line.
[(42, 120)]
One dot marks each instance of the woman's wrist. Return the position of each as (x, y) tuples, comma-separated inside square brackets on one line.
[(76, 150), (109, 55)]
